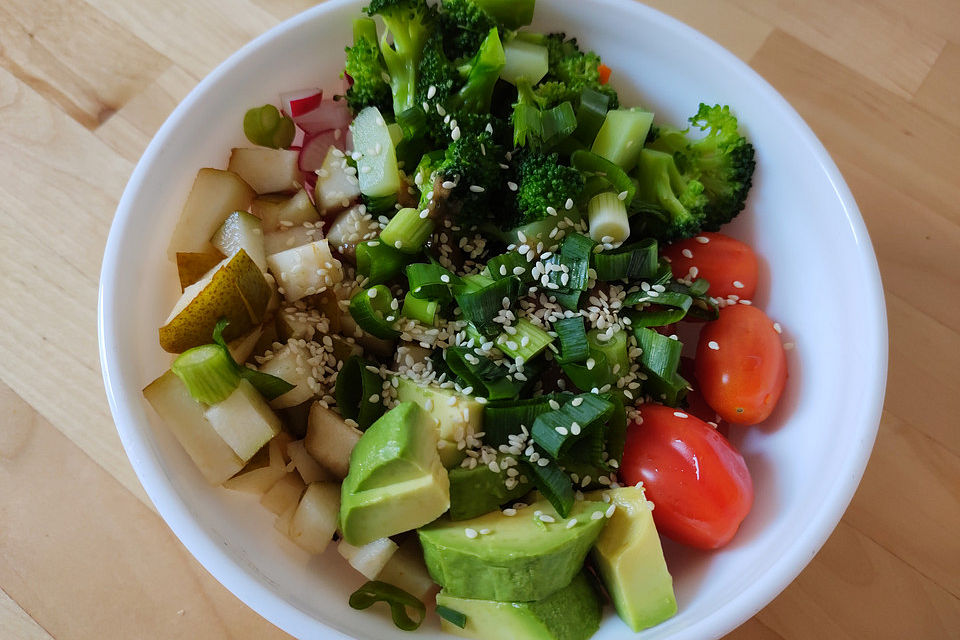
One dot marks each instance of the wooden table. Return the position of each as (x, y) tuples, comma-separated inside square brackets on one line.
[(84, 84)]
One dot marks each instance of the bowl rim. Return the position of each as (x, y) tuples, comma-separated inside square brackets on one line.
[(287, 616)]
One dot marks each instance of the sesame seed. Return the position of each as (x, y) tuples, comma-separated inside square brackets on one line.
[(509, 512), (547, 518), (596, 515), (680, 414), (455, 134), (372, 293), (610, 510), (470, 533), (476, 189), (568, 204), (622, 195), (571, 523), (738, 284), (432, 91), (687, 253), (444, 278), (448, 185), (713, 345), (702, 239), (512, 186), (562, 430), (441, 110)]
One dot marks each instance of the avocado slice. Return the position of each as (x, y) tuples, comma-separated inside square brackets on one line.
[(474, 492), (455, 415), (395, 481), (572, 613), (511, 558), (394, 449), (630, 560)]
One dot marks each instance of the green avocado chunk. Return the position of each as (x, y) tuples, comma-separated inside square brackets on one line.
[(520, 558), (396, 481), (572, 613), (456, 415), (630, 560), (480, 490)]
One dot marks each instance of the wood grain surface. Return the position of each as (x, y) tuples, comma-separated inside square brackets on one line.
[(84, 84)]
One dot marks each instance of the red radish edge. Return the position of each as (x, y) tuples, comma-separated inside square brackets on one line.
[(296, 103), (317, 145)]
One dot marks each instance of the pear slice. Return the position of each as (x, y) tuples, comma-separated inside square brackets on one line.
[(192, 266), (236, 289), (337, 183), (214, 196), (241, 230), (267, 170), (244, 420), (352, 227), (291, 362), (291, 237)]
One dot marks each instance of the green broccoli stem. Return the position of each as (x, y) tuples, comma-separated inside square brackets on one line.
[(512, 14), (485, 67)]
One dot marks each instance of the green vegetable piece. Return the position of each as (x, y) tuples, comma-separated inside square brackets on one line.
[(355, 387), (399, 600), (622, 135), (376, 311), (208, 372), (267, 127), (452, 616)]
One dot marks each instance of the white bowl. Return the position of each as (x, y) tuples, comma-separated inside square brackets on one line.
[(819, 279)]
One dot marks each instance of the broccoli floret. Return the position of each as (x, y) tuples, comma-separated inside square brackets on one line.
[(722, 161), (365, 68), (544, 183), (570, 71), (473, 165), (668, 204), (409, 24), (464, 25), (464, 93), (537, 127)]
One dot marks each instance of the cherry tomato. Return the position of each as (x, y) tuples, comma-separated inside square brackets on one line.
[(741, 365), (723, 261), (698, 482)]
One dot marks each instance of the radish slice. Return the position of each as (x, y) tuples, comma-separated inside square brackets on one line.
[(316, 146), (310, 185), (299, 103), (331, 114)]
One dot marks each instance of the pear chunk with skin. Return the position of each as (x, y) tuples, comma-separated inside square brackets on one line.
[(236, 290), (244, 420), (193, 266), (352, 227), (215, 195), (267, 170), (337, 183), (241, 230)]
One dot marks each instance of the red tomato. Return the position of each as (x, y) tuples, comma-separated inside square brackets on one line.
[(698, 482), (741, 365), (722, 261)]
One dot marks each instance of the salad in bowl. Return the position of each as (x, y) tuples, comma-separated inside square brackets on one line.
[(433, 318)]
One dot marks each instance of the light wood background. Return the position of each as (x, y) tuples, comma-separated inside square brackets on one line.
[(84, 84)]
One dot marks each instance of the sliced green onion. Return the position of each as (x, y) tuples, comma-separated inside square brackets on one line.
[(423, 311), (528, 341), (509, 264), (591, 113), (659, 360), (452, 616), (267, 127), (573, 340), (616, 428), (486, 378), (554, 484), (474, 282), (481, 306), (656, 317), (208, 372), (407, 231), (617, 179), (635, 261), (379, 262), (375, 311), (268, 386), (556, 431), (614, 350), (607, 214), (504, 419), (398, 599), (430, 280), (358, 392), (574, 257), (557, 123), (412, 121)]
